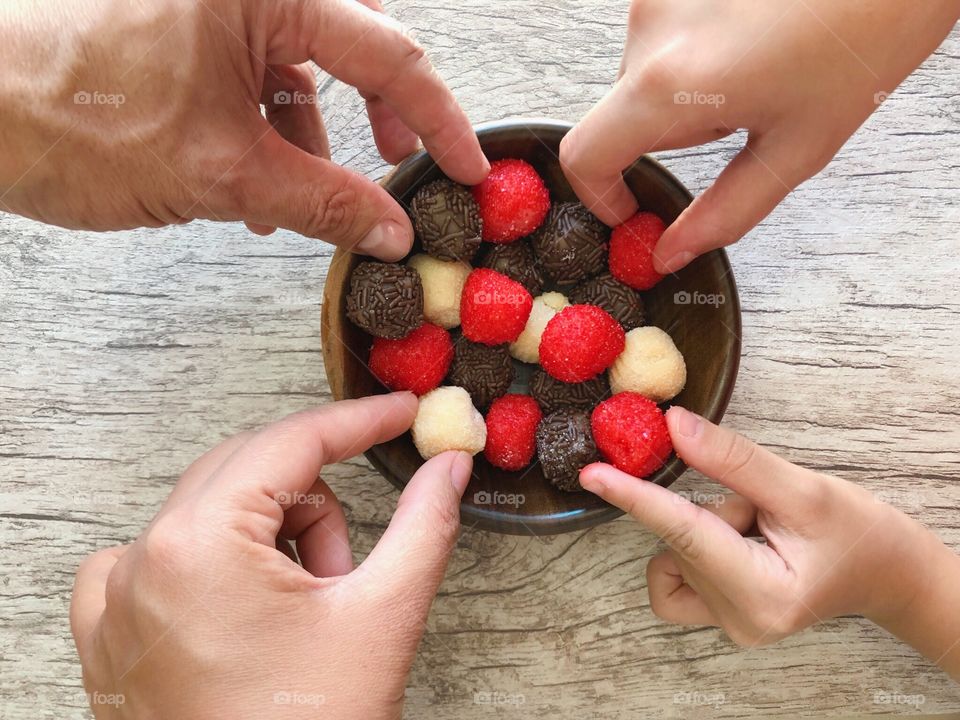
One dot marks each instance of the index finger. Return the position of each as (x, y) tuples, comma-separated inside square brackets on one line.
[(370, 51), (698, 536), (284, 460)]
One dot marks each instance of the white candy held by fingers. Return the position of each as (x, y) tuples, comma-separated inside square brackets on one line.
[(650, 364), (442, 282), (447, 420)]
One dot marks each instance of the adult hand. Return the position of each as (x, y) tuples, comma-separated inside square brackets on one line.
[(203, 617), (148, 114), (831, 548), (799, 75)]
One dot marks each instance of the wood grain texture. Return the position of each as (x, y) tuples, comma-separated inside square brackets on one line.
[(126, 355)]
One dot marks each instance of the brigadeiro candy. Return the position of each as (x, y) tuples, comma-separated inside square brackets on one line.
[(620, 300), (565, 446), (417, 362), (631, 433), (513, 200), (580, 342), (493, 308), (552, 394), (484, 371), (511, 431), (572, 244), (526, 348), (650, 364), (385, 299), (516, 261), (447, 420), (443, 282), (631, 250), (447, 220)]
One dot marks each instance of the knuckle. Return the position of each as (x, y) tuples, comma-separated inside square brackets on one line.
[(738, 454), (411, 58), (571, 152), (164, 544), (657, 78), (682, 537), (328, 209), (301, 79), (446, 519)]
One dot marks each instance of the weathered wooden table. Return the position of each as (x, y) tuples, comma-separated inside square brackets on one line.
[(124, 356)]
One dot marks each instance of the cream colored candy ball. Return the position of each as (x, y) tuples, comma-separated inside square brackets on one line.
[(650, 364), (442, 282), (526, 348), (447, 420)]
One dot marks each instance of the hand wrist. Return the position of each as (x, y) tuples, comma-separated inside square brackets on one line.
[(920, 598)]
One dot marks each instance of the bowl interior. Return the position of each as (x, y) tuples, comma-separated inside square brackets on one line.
[(698, 307)]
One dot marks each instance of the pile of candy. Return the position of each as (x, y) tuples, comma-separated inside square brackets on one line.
[(526, 281)]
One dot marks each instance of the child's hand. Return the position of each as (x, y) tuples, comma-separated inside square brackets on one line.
[(149, 114), (831, 548), (203, 617), (799, 76)]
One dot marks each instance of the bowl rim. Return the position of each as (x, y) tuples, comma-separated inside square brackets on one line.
[(581, 519)]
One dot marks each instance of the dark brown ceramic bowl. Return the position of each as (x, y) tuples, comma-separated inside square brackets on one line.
[(707, 333)]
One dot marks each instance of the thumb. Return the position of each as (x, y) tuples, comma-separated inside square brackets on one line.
[(412, 555), (289, 188), (764, 478), (748, 189)]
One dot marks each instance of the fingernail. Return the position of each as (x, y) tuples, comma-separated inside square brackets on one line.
[(591, 481), (386, 241), (461, 469), (689, 424), (678, 261)]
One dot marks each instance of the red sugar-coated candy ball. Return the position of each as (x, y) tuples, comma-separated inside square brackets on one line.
[(511, 431), (417, 362), (493, 308), (631, 433), (631, 251), (513, 201), (580, 342)]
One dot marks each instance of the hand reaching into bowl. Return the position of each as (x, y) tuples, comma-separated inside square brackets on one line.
[(831, 548), (800, 75), (148, 114), (204, 617)]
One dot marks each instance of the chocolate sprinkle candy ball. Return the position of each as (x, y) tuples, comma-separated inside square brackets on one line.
[(447, 220), (565, 446), (620, 300), (517, 262), (385, 299), (553, 394), (572, 244), (484, 371)]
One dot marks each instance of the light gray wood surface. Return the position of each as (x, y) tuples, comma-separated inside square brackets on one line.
[(124, 356)]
